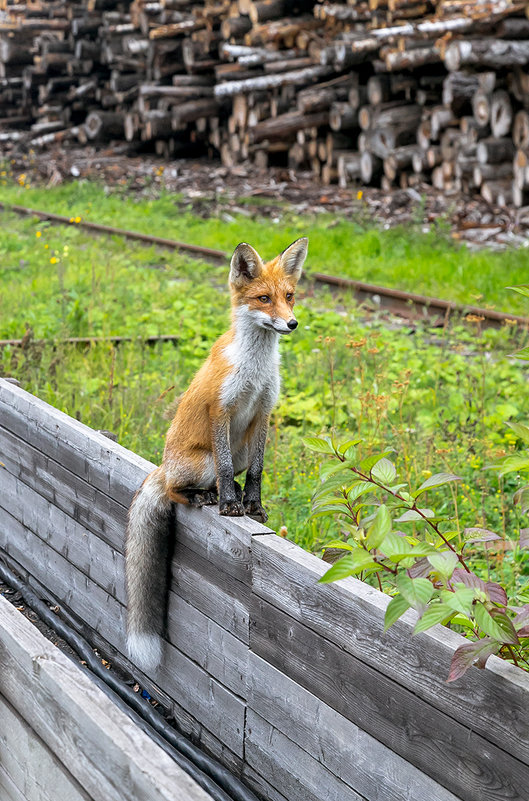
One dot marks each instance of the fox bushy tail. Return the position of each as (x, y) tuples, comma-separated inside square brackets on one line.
[(146, 569)]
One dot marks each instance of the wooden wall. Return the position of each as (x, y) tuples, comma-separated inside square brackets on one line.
[(291, 684), (62, 738)]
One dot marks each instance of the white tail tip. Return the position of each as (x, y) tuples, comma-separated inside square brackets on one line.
[(145, 650)]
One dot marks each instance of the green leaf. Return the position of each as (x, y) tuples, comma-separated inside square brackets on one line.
[(349, 565), (438, 480), (344, 546), (318, 444), (395, 609), (523, 289), (417, 591), (379, 529), (512, 464), (330, 508), (523, 353), (367, 464), (412, 514), (344, 447), (444, 562), (397, 548), (433, 614), (521, 431), (357, 489), (384, 471), (497, 626), (460, 600)]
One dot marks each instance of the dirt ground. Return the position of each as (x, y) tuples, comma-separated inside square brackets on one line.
[(208, 188)]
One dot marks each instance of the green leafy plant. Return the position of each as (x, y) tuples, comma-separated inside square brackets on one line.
[(391, 535)]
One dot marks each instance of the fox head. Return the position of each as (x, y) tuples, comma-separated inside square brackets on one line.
[(263, 294)]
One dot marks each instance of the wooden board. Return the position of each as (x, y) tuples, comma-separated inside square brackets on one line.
[(491, 702), (285, 765), (423, 735), (355, 757), (35, 770), (104, 464), (91, 555), (97, 743), (208, 701), (8, 789), (92, 509)]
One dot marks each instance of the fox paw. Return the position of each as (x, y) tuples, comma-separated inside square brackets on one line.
[(231, 508), (256, 510), (210, 497)]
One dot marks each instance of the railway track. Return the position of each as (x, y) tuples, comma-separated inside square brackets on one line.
[(409, 305)]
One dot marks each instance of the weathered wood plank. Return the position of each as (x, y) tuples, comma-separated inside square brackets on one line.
[(89, 507), (207, 700), (354, 756), (211, 646), (213, 592), (218, 709), (450, 753), (263, 788), (187, 724), (105, 464), (30, 764), (217, 651), (77, 592), (223, 540), (94, 557), (9, 790), (73, 716), (351, 614), (286, 766)]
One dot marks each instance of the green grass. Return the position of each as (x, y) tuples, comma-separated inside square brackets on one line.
[(427, 263), (439, 399)]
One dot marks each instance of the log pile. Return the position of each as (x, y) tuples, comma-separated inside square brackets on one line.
[(367, 92)]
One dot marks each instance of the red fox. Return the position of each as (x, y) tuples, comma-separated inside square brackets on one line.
[(219, 430)]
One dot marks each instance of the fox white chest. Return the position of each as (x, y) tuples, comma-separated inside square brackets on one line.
[(252, 386)]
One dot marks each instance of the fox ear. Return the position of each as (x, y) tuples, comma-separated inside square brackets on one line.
[(245, 265), (293, 257)]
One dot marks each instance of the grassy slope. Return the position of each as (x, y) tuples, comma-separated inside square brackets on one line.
[(405, 258)]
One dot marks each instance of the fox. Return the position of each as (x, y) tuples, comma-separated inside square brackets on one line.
[(219, 431)]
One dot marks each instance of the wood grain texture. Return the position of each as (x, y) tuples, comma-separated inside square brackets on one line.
[(72, 716), (101, 462), (214, 706), (354, 756), (92, 556), (89, 507), (450, 753), (8, 789), (187, 724), (492, 702), (218, 596), (35, 770), (285, 765), (263, 788), (77, 592)]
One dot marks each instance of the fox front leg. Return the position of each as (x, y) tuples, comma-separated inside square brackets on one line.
[(229, 504), (252, 488)]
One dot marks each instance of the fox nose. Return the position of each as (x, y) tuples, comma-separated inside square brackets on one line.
[(292, 324)]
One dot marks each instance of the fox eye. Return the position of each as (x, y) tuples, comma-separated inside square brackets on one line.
[(264, 298), (290, 296)]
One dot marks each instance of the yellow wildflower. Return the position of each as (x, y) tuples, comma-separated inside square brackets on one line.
[(359, 195), (38, 233), (54, 260)]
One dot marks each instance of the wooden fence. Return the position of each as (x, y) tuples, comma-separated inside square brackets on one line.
[(291, 684), (62, 739)]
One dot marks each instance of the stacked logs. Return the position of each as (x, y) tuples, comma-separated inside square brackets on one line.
[(377, 92)]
